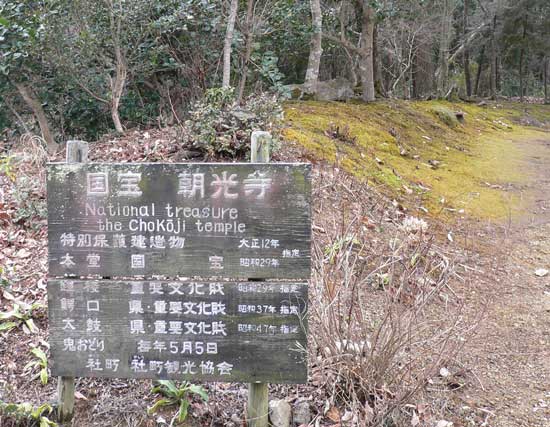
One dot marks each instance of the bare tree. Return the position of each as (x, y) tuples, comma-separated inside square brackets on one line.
[(100, 47), (480, 64), (522, 59), (316, 51), (366, 63), (466, 54), (493, 50), (444, 42), (249, 31), (117, 81), (227, 46), (365, 48), (545, 77)]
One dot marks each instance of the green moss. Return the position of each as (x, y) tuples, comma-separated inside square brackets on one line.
[(417, 145)]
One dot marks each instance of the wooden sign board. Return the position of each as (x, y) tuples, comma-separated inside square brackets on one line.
[(230, 220), (200, 331)]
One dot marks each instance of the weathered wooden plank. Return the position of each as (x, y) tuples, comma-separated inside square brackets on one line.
[(205, 219), (207, 331), (257, 409), (76, 152)]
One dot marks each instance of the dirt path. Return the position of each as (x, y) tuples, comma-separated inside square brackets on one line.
[(511, 381)]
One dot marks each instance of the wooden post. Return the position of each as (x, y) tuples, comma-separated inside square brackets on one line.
[(260, 145), (258, 402), (77, 152)]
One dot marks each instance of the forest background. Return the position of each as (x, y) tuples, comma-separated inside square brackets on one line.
[(83, 68)]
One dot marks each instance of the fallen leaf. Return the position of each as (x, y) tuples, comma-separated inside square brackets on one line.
[(22, 253), (333, 414), (80, 396), (8, 296), (348, 416), (415, 419)]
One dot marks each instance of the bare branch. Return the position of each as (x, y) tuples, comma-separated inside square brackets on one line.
[(92, 94), (344, 42)]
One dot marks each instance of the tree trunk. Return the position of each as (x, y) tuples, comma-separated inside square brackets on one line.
[(16, 114), (414, 72), (545, 73), (521, 90), (248, 48), (121, 71), (521, 60), (443, 76), (366, 60), (467, 76), (34, 104), (378, 83), (493, 59), (498, 74), (480, 62), (316, 51), (226, 79), (117, 89)]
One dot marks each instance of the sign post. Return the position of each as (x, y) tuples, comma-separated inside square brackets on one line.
[(77, 152), (258, 393), (189, 250)]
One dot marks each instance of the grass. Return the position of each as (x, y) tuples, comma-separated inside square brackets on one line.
[(420, 151)]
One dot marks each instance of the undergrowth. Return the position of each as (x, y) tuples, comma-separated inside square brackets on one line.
[(384, 317), (219, 127)]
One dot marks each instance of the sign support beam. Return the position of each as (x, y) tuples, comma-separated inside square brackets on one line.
[(77, 152), (258, 393)]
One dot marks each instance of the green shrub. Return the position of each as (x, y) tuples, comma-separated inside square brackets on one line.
[(176, 396), (219, 127), (26, 414)]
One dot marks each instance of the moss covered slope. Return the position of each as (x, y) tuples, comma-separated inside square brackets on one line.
[(421, 151)]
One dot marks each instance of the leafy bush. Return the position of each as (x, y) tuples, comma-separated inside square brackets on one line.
[(4, 282), (40, 362), (15, 414), (219, 127), (7, 167), (20, 315), (176, 396)]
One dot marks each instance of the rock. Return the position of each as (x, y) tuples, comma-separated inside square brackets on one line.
[(333, 90), (279, 413), (541, 272), (434, 163), (444, 372), (339, 89), (302, 413)]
